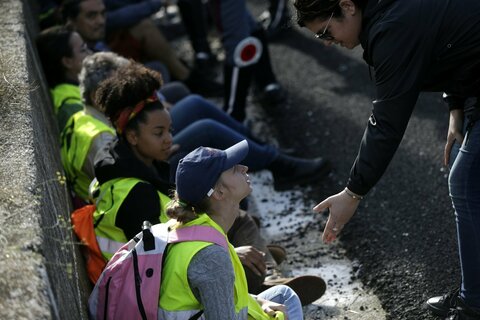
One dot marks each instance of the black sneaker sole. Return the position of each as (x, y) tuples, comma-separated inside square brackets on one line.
[(308, 288), (439, 312)]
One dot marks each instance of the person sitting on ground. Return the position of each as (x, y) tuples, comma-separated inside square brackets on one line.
[(139, 158), (202, 276), (132, 172), (61, 51), (107, 26), (196, 121), (88, 131)]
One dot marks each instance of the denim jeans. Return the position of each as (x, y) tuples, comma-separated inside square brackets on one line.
[(195, 107), (464, 186), (197, 122), (286, 296)]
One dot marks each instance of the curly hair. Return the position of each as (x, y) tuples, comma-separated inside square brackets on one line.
[(309, 10), (126, 87)]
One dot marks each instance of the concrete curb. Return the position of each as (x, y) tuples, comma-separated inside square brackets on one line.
[(42, 274)]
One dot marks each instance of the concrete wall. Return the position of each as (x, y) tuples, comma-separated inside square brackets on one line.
[(41, 271)]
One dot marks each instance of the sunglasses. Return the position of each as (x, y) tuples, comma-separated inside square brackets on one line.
[(325, 35)]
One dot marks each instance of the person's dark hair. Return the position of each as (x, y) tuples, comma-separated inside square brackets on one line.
[(70, 9), (53, 44), (183, 212), (309, 10), (128, 86)]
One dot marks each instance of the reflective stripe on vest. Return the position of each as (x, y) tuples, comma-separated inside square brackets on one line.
[(176, 315), (108, 246), (76, 140), (114, 192)]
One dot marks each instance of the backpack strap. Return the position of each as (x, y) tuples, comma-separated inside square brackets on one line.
[(198, 233)]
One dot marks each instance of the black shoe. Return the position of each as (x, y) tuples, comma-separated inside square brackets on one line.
[(463, 312), (199, 83), (206, 64), (441, 305), (271, 96), (308, 288), (290, 171)]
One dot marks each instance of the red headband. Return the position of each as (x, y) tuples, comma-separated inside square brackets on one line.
[(128, 113)]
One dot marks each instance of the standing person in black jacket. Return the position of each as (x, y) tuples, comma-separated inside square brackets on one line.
[(413, 46)]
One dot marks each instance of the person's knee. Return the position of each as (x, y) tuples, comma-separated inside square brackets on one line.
[(208, 125), (196, 99), (192, 103), (175, 92), (286, 290)]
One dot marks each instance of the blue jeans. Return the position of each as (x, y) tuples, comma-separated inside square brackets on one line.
[(286, 296), (195, 107), (197, 122), (464, 186)]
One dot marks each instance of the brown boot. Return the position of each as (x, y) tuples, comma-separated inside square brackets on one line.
[(278, 253), (308, 288)]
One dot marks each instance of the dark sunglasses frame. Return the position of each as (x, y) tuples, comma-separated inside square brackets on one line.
[(325, 35)]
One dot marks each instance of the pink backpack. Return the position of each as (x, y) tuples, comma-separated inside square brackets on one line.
[(129, 287)]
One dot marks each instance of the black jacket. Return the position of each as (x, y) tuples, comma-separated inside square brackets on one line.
[(413, 46), (142, 202)]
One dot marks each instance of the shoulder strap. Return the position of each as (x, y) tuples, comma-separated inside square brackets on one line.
[(198, 233)]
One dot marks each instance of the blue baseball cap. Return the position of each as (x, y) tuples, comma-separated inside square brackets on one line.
[(199, 171)]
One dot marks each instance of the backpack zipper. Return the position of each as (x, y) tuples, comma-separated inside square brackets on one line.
[(138, 284)]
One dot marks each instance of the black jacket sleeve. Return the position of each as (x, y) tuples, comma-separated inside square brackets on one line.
[(142, 203), (398, 56)]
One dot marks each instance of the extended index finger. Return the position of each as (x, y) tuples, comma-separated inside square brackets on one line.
[(325, 204)]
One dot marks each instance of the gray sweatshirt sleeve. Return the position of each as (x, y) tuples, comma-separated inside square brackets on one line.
[(211, 278)]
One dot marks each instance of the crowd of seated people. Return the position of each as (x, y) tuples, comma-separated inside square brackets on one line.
[(123, 133)]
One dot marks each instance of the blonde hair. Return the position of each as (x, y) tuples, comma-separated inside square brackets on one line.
[(184, 212)]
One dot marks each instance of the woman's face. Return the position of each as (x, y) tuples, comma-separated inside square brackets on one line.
[(80, 51), (153, 139), (345, 30), (236, 182)]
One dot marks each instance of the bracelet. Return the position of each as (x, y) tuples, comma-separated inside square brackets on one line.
[(353, 195)]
